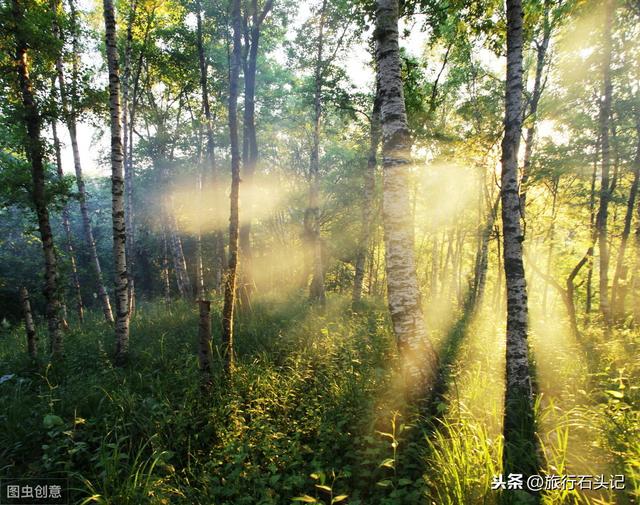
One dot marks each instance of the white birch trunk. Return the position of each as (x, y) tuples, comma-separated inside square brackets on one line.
[(117, 189), (402, 283)]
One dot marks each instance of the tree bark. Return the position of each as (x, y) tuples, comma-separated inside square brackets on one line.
[(367, 204), (70, 120), (204, 340), (127, 151), (219, 258), (518, 417), (35, 154), (230, 280), (166, 283), (32, 339), (538, 86), (619, 289), (605, 189), (250, 144), (419, 357), (117, 190), (75, 279), (312, 213)]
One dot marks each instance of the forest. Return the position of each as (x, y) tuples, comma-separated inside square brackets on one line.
[(367, 252)]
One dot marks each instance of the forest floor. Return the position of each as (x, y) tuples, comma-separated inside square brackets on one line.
[(315, 411)]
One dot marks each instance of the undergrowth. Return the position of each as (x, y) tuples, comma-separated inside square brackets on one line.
[(313, 414)]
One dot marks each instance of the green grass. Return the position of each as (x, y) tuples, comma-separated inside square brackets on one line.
[(314, 413)]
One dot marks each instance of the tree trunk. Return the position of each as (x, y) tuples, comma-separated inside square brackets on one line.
[(250, 144), (230, 280), (127, 151), (605, 189), (619, 289), (70, 119), (117, 189), (518, 417), (34, 150), (552, 236), (219, 258), (482, 257), (367, 204), (204, 340), (32, 339), (75, 279), (312, 213), (166, 283), (593, 232), (179, 260), (538, 85), (405, 305)]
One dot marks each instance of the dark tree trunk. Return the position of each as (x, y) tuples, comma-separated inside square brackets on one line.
[(367, 204), (35, 154), (312, 213), (219, 255), (250, 144), (127, 151), (538, 86), (234, 222), (619, 289), (605, 189)]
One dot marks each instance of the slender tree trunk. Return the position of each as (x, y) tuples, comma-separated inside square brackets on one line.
[(619, 290), (405, 305), (128, 152), (312, 213), (552, 236), (250, 144), (75, 279), (538, 86), (234, 222), (367, 205), (435, 256), (179, 260), (518, 417), (117, 189), (482, 256), (605, 189), (70, 119), (592, 231), (35, 154), (219, 256), (166, 283), (32, 338)]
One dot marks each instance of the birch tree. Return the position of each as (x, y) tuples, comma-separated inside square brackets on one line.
[(234, 221), (518, 418), (69, 114), (117, 189), (402, 283)]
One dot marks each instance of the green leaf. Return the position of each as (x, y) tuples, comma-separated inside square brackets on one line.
[(389, 463), (51, 420), (384, 483), (324, 488), (615, 394), (339, 498), (305, 498)]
